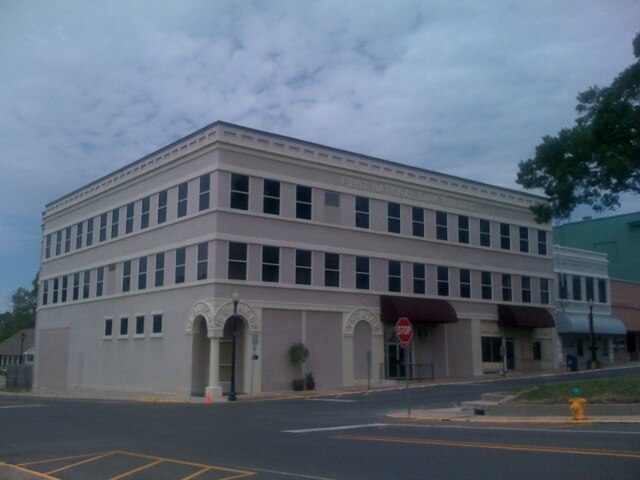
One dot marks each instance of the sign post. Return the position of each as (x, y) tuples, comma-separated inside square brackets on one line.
[(404, 333)]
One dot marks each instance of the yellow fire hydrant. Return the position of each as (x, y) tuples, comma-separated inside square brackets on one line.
[(577, 404)]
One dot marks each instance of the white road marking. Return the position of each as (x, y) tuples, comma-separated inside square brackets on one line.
[(339, 400), (22, 406), (288, 474), (340, 427)]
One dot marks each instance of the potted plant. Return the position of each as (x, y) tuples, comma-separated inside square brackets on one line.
[(298, 354), (309, 381)]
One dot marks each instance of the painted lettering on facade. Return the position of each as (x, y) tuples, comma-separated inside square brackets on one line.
[(405, 193)]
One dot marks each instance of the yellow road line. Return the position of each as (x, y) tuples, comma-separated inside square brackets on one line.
[(196, 474), (136, 470), (26, 470), (496, 446), (191, 464), (59, 459), (77, 464)]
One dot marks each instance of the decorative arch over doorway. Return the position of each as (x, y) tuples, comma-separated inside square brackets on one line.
[(361, 346)]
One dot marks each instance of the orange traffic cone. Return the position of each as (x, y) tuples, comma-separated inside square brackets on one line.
[(207, 399)]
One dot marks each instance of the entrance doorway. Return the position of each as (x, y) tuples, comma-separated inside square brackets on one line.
[(226, 355), (397, 359), (511, 356), (200, 364)]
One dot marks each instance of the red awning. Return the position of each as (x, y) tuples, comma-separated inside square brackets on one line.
[(529, 317), (416, 309)]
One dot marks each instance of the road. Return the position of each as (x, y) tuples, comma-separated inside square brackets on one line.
[(325, 438)]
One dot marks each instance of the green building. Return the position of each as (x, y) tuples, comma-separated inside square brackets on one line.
[(617, 236)]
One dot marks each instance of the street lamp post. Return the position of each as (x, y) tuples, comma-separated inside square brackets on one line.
[(22, 335), (235, 298), (592, 337)]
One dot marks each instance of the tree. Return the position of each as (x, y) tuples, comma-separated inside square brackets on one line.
[(23, 314), (596, 160)]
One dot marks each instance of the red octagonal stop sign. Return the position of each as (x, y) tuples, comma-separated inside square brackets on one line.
[(404, 331)]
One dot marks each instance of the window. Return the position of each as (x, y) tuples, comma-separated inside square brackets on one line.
[(332, 199), (394, 271), (544, 291), (237, 261), (79, 236), (67, 240), (441, 226), (393, 217), (65, 285), (103, 227), (505, 236), (159, 269), (108, 327), (271, 197), (487, 289), (465, 283), (463, 229), (47, 251), (144, 215), (239, 191), (115, 219), (205, 192), (602, 290), (563, 286), (85, 285), (362, 273), (303, 202), (142, 273), (100, 282), (443, 281), (526, 289), (303, 267), (156, 328), (203, 261), (89, 241), (140, 325), (45, 292), (506, 288), (129, 220), (542, 242), (524, 239), (55, 290), (491, 347), (417, 222), (590, 289), (76, 285), (124, 326), (181, 254), (331, 270), (162, 207), (362, 212), (576, 286), (270, 264), (419, 279), (485, 233), (183, 192), (58, 242), (126, 276)]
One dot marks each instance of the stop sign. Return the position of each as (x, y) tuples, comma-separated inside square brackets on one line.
[(404, 331)]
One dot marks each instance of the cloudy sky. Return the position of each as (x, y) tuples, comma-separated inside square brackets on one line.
[(462, 87)]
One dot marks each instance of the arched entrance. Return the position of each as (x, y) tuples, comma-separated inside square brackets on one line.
[(200, 364), (362, 347), (210, 322)]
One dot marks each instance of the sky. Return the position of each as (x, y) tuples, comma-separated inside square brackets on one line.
[(467, 88)]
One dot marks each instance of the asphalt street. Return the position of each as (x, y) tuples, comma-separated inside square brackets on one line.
[(331, 437)]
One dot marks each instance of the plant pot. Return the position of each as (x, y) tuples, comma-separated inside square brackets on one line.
[(298, 385), (310, 384)]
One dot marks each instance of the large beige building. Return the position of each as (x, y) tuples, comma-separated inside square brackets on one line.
[(323, 246)]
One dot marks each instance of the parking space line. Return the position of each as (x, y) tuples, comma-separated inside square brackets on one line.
[(26, 470), (136, 470), (196, 474), (59, 459), (77, 464), (242, 473)]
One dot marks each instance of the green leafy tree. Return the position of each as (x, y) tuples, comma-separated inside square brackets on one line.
[(596, 160), (23, 314)]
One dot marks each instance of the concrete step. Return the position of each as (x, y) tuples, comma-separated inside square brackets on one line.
[(496, 397), (478, 407)]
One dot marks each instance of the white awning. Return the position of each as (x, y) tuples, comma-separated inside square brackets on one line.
[(579, 323)]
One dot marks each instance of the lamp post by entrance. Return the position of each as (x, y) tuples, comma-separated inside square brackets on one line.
[(22, 335), (235, 298), (592, 338)]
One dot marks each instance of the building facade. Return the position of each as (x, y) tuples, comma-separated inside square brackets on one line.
[(619, 237), (583, 308), (322, 246)]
